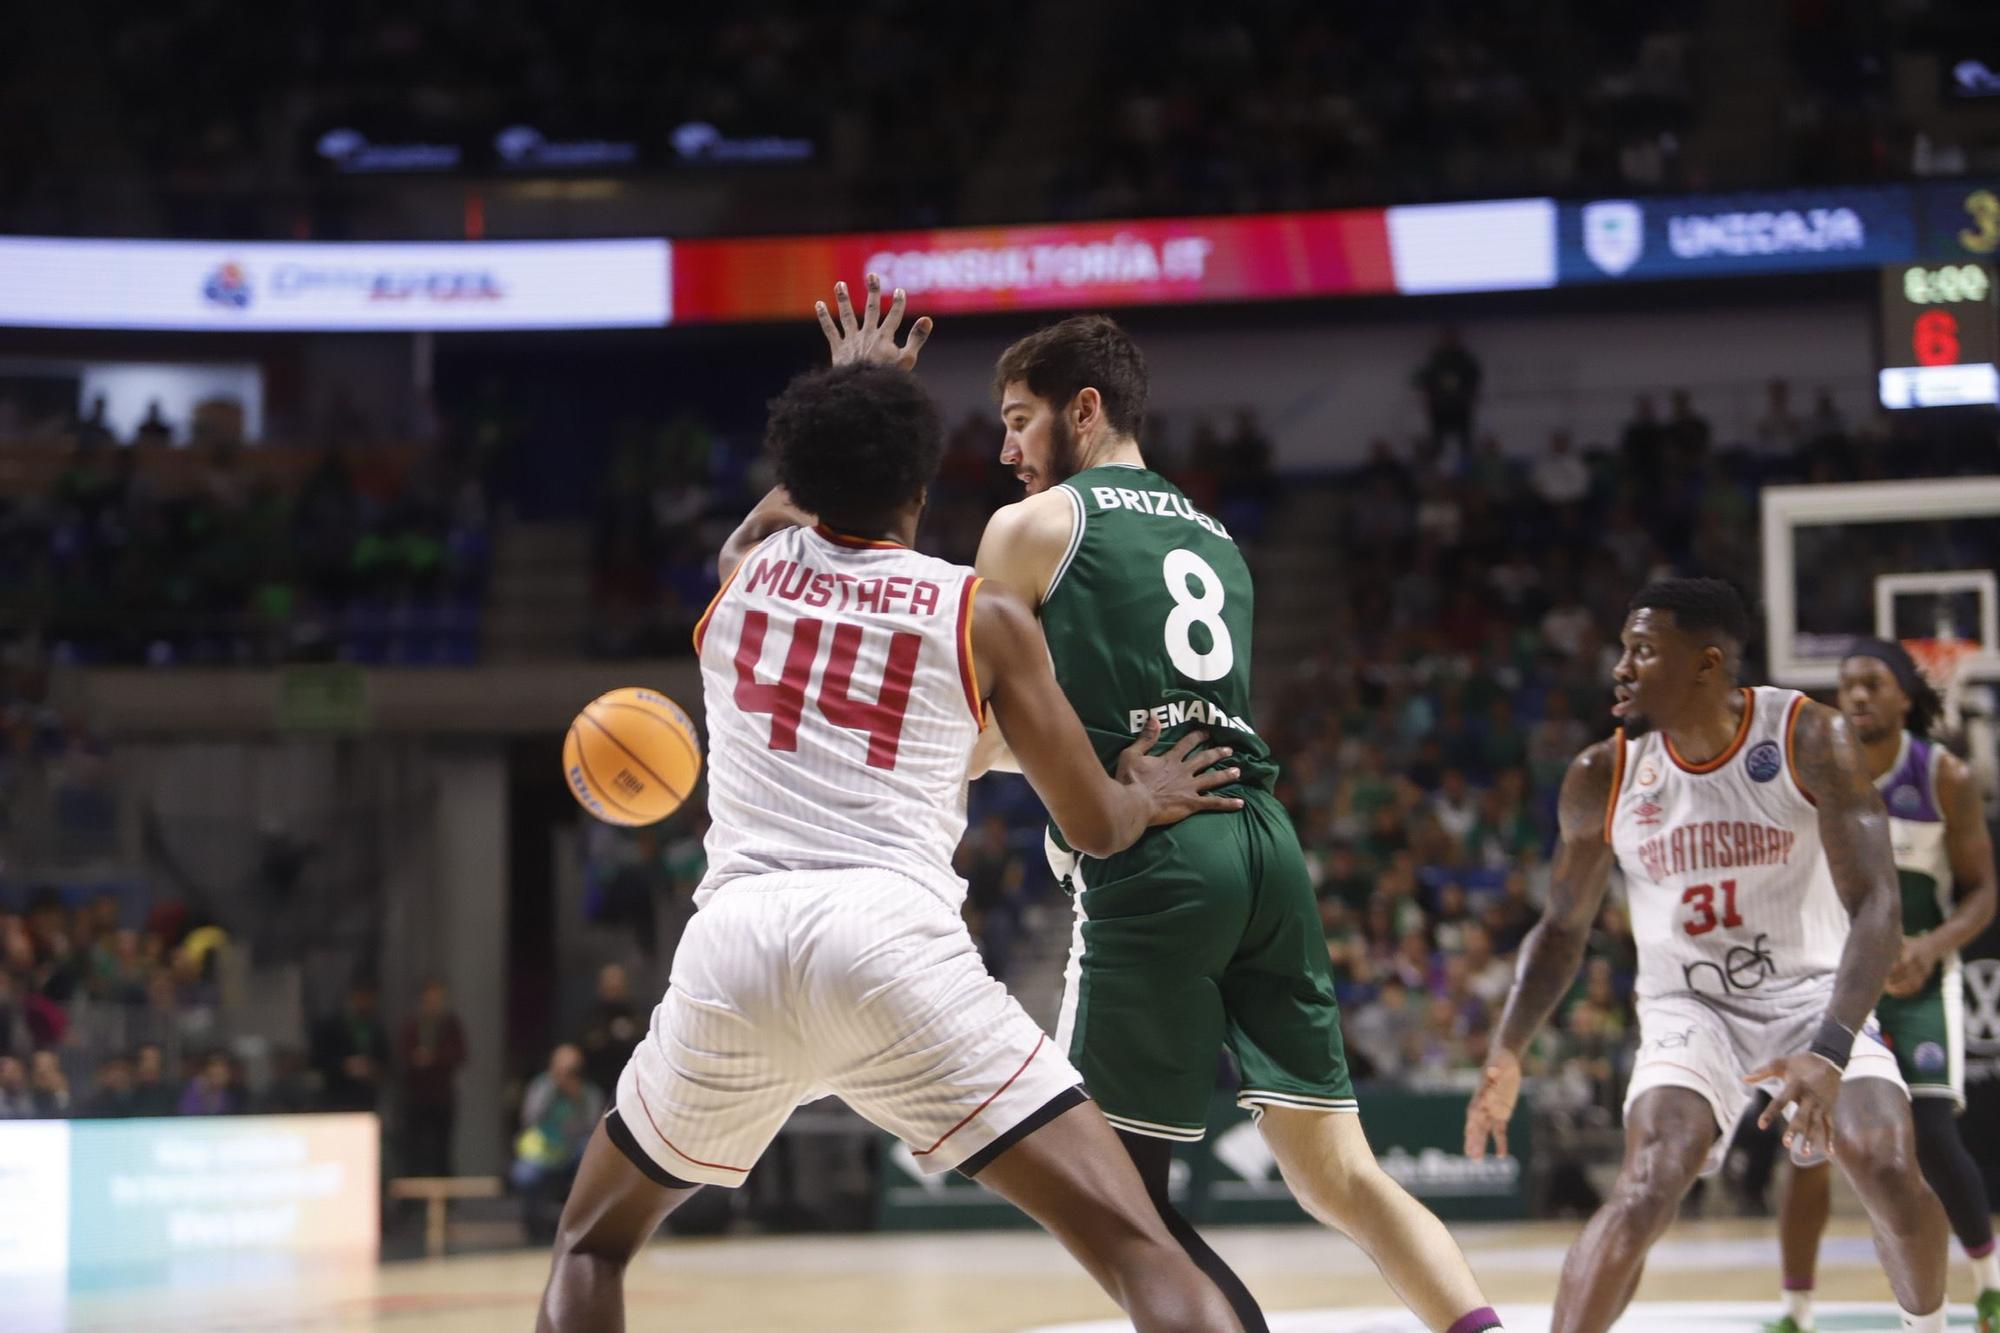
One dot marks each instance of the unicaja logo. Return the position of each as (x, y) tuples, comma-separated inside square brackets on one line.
[(227, 286), (1614, 234)]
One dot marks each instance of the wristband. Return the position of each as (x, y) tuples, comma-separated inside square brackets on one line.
[(1832, 1043)]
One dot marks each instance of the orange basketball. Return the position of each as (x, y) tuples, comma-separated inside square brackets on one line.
[(631, 757)]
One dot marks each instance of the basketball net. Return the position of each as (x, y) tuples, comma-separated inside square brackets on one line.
[(1942, 660)]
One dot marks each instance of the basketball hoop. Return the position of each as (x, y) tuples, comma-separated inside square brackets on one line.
[(1943, 661)]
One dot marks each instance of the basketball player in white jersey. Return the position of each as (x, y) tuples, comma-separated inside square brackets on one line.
[(1944, 858), (846, 678), (1764, 901)]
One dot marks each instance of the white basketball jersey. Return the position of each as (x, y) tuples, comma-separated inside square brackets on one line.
[(1728, 888), (842, 704)]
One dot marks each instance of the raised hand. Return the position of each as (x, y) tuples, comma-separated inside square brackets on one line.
[(871, 338)]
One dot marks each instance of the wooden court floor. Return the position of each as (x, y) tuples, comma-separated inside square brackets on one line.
[(987, 1282)]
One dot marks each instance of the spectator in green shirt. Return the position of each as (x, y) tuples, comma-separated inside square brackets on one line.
[(558, 1114)]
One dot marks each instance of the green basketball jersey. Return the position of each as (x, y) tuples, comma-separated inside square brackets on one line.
[(1150, 612)]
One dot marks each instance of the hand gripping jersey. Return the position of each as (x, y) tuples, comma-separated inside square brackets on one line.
[(1727, 885), (842, 704)]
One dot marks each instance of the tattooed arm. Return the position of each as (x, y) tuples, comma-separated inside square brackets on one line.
[(1554, 949), (1854, 832)]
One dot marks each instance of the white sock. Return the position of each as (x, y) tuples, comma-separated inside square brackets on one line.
[(1986, 1271), (1798, 1304), (1924, 1323)]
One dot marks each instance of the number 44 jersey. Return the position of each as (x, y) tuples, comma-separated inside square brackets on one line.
[(842, 703), (1725, 879), (1149, 612)]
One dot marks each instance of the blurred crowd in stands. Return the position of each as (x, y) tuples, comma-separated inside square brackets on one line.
[(108, 1011), (1139, 109), (102, 1016), (1294, 105), (135, 551)]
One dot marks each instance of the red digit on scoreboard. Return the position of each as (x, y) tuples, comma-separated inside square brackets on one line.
[(1934, 338)]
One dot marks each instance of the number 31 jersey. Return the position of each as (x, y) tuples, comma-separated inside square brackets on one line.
[(1149, 612), (1725, 879), (842, 703)]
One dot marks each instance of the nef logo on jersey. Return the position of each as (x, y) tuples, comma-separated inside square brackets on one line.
[(228, 286), (1744, 967), (1764, 761)]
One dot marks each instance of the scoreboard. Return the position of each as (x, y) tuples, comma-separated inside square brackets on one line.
[(1940, 336)]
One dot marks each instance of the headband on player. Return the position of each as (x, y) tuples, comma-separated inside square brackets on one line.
[(1891, 655)]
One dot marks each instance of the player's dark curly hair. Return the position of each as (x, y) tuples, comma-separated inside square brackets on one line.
[(855, 445), (1082, 352), (1926, 707), (1700, 606)]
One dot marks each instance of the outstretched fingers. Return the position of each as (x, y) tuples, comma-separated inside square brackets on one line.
[(920, 333), (871, 313)]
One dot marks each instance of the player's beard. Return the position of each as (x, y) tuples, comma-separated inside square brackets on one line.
[(1877, 730), (1635, 725), (1065, 460)]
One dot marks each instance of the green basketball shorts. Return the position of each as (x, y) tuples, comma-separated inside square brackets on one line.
[(1927, 1033), (1200, 936)]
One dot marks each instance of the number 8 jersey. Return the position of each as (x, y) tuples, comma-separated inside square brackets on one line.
[(842, 703), (1149, 612), (1725, 879)]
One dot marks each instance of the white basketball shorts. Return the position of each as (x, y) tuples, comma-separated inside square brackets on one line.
[(1706, 1046), (862, 984)]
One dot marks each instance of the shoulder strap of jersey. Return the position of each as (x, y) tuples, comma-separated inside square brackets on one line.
[(1076, 506), (1618, 761), (1792, 711), (701, 626), (968, 665)]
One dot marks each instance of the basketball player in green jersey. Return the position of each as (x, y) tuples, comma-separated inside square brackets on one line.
[(1208, 936), (1944, 858)]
